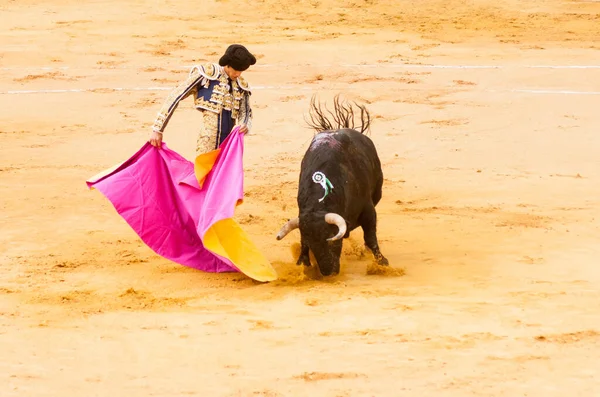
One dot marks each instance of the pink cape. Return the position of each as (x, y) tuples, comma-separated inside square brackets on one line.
[(184, 212)]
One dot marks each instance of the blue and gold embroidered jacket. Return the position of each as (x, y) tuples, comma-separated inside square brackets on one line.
[(210, 87)]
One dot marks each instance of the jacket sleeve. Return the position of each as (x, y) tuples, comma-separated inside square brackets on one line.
[(245, 114), (179, 93)]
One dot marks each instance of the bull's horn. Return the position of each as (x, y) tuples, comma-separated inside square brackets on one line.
[(288, 227), (335, 219)]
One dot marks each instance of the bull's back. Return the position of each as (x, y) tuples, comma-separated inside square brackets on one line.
[(370, 164), (365, 152), (347, 150)]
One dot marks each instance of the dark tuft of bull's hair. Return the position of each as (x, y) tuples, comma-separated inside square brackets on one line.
[(343, 116)]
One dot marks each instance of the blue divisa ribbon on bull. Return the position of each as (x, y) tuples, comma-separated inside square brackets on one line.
[(320, 178)]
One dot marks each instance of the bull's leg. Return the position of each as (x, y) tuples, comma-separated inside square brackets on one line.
[(377, 192), (368, 222), (304, 258)]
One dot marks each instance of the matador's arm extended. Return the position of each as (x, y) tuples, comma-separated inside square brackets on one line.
[(179, 93)]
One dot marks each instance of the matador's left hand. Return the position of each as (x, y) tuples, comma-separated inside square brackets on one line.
[(244, 129)]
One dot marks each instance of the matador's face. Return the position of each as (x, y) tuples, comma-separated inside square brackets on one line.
[(232, 73)]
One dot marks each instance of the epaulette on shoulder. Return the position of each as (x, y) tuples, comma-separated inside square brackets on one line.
[(243, 84), (208, 70)]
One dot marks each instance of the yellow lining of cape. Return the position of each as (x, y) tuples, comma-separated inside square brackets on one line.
[(227, 239), (204, 163)]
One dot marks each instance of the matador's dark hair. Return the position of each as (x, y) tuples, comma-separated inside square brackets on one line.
[(238, 57)]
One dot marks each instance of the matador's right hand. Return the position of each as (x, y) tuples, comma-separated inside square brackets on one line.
[(156, 139)]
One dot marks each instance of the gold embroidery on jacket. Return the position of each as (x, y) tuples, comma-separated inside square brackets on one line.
[(199, 75), (207, 136), (201, 103), (225, 96), (237, 101)]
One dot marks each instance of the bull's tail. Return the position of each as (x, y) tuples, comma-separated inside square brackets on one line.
[(343, 116)]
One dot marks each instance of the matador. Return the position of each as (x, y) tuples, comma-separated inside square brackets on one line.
[(219, 92)]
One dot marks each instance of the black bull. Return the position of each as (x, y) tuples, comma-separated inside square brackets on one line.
[(339, 186)]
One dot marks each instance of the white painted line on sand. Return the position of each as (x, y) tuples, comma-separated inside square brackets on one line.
[(413, 66), (560, 92), (109, 89), (347, 65), (61, 91), (564, 67), (265, 87)]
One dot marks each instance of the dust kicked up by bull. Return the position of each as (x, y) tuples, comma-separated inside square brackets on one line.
[(339, 187)]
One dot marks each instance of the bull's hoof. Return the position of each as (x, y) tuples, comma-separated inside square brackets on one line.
[(382, 261), (303, 260), (332, 273), (313, 272)]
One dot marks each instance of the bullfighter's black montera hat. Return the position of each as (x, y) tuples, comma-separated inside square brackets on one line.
[(238, 57)]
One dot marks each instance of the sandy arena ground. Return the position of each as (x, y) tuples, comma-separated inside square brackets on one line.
[(490, 201)]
